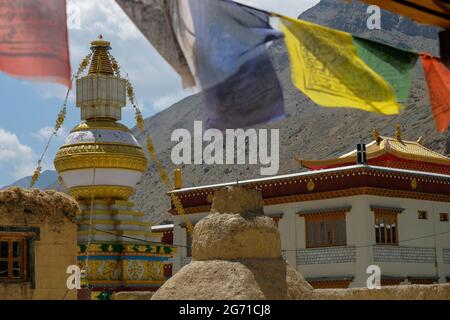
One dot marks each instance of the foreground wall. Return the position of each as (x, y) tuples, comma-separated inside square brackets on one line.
[(410, 292), (45, 222)]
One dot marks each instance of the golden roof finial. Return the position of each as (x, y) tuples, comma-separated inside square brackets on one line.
[(178, 178), (398, 132), (376, 134), (100, 63)]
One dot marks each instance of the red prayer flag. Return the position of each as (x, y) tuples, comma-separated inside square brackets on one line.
[(438, 78), (34, 40)]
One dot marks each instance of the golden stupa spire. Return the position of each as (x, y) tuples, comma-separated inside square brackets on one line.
[(101, 63)]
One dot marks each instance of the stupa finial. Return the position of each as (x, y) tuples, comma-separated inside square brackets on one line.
[(101, 62)]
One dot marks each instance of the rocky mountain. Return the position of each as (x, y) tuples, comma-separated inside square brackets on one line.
[(308, 131), (395, 30), (46, 181)]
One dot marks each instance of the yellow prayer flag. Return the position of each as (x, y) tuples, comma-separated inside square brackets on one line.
[(326, 67)]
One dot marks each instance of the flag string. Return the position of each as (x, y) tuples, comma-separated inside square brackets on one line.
[(59, 121), (162, 172)]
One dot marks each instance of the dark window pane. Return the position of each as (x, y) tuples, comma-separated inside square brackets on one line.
[(423, 215), (309, 234), (322, 233), (382, 240), (16, 249), (394, 234), (388, 234), (344, 232), (3, 269), (16, 269), (330, 232), (316, 233), (377, 234), (4, 249), (188, 245)]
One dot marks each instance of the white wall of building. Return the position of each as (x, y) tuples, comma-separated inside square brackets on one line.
[(414, 256)]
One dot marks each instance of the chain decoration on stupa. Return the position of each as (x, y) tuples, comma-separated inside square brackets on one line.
[(149, 141), (139, 123), (59, 120), (151, 150)]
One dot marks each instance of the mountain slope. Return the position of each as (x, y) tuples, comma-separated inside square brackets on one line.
[(308, 130), (47, 178), (395, 30)]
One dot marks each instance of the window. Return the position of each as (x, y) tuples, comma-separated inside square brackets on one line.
[(443, 216), (423, 215), (13, 257), (386, 231), (188, 244), (325, 231)]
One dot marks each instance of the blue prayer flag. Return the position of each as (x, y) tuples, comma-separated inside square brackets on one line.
[(220, 46), (225, 43)]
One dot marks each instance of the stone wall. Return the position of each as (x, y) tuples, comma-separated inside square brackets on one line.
[(404, 254), (50, 217), (326, 255), (404, 292), (446, 254)]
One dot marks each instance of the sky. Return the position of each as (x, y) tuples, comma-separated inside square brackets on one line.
[(29, 109)]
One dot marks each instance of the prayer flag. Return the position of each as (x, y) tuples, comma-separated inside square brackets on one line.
[(33, 40), (232, 65), (438, 78), (223, 44), (335, 69), (154, 20)]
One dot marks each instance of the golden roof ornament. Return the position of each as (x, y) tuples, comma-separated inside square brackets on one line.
[(376, 136), (178, 178), (420, 140)]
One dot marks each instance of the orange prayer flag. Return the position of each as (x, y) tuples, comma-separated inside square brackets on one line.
[(34, 40), (438, 78)]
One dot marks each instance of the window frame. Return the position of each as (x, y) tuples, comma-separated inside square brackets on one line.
[(387, 217), (33, 235), (419, 214), (318, 237), (23, 257), (443, 217)]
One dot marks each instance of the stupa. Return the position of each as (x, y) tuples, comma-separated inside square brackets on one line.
[(236, 254), (100, 163)]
